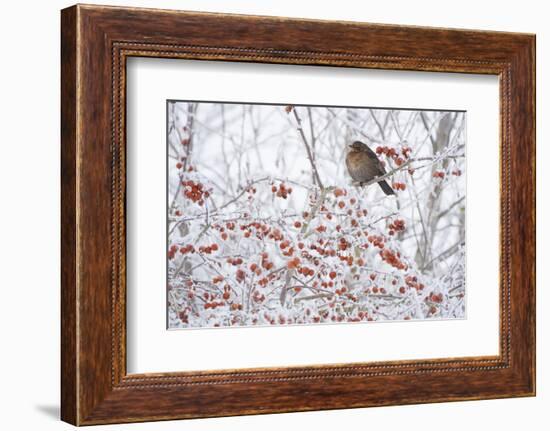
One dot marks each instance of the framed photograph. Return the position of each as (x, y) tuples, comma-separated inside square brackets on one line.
[(288, 220)]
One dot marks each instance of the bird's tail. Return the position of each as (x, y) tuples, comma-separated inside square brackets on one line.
[(386, 188)]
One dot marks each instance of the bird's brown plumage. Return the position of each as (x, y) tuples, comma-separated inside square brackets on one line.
[(363, 165)]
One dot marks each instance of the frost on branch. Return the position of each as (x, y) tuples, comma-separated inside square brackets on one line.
[(265, 226)]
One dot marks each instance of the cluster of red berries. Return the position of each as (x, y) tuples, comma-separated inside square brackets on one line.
[(398, 225), (399, 186), (346, 259), (254, 268), (266, 263), (435, 297), (278, 320), (343, 244), (359, 213), (308, 256), (261, 229), (322, 251), (324, 314), (393, 259), (293, 263), (305, 271), (342, 291), (438, 174), (256, 225), (189, 248), (412, 281), (240, 275), (195, 191), (208, 249), (181, 162), (325, 284), (456, 172), (183, 316), (380, 290), (392, 153), (361, 315), (282, 191), (376, 240), (284, 244), (258, 297), (172, 251), (340, 192), (226, 292), (234, 261), (276, 235), (213, 304), (432, 310)]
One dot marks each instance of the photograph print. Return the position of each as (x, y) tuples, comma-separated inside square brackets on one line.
[(295, 214)]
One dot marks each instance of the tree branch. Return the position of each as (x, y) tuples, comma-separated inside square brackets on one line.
[(308, 150)]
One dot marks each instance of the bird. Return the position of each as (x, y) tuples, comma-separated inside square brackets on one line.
[(363, 166)]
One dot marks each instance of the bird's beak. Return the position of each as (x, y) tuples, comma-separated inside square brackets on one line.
[(350, 146)]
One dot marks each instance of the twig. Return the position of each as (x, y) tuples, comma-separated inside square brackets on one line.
[(314, 210), (445, 212), (316, 289), (361, 132), (443, 254), (308, 150), (380, 128), (243, 191), (316, 296), (387, 174)]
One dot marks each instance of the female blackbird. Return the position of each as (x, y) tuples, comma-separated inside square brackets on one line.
[(363, 165)]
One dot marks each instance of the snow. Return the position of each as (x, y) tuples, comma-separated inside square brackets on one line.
[(254, 240)]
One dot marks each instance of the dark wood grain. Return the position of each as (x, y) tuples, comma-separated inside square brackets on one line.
[(96, 41), (68, 217)]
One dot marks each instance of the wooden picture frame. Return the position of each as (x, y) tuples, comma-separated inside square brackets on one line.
[(96, 41)]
